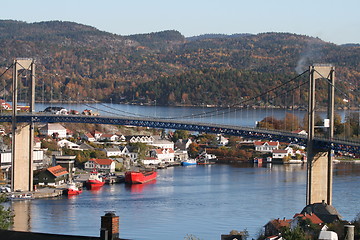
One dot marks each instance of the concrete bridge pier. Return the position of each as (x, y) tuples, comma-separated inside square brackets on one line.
[(319, 161), (22, 135), (319, 178)]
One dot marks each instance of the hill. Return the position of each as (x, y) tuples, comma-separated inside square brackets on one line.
[(78, 62)]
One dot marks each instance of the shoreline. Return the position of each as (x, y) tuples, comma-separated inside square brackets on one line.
[(303, 108)]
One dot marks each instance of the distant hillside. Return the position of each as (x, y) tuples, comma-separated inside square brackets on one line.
[(79, 62)]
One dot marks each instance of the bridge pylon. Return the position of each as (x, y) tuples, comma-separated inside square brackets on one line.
[(22, 134), (319, 162)]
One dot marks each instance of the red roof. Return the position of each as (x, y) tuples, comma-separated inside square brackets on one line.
[(312, 217), (57, 170), (160, 150), (280, 151), (279, 223), (102, 161), (88, 135)]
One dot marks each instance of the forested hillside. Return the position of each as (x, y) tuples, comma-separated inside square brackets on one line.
[(77, 62)]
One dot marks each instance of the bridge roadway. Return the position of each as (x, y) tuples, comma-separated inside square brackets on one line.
[(252, 133)]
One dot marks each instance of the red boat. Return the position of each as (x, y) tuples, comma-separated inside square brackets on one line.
[(94, 181), (72, 189), (140, 176)]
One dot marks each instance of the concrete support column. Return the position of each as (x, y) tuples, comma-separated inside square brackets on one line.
[(22, 135), (319, 166)]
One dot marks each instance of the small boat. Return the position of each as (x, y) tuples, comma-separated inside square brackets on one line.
[(23, 196), (139, 176), (189, 162), (206, 158), (95, 181), (72, 189), (258, 160)]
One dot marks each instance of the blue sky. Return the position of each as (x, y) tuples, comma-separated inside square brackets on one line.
[(332, 21)]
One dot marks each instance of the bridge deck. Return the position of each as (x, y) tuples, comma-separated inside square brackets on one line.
[(253, 133)]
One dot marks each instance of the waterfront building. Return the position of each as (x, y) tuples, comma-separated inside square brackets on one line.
[(181, 155), (67, 162), (261, 146), (101, 165), (52, 176), (151, 161), (163, 154), (280, 153)]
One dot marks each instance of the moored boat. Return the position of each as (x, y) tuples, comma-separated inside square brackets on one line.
[(139, 176), (95, 181), (21, 196), (206, 158), (72, 189), (189, 162)]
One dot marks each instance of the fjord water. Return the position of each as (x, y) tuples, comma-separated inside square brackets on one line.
[(205, 201)]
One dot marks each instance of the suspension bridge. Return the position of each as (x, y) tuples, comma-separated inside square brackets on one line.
[(320, 140)]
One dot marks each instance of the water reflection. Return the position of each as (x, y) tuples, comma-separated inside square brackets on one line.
[(22, 212), (346, 168), (139, 188), (194, 198)]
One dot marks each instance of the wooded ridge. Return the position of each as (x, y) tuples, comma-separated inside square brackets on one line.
[(76, 62)]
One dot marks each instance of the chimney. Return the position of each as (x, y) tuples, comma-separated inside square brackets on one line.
[(109, 226)]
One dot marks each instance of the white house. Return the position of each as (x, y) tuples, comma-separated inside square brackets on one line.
[(101, 165), (164, 155), (140, 138), (96, 134), (121, 138), (266, 146), (111, 152), (223, 141), (67, 144), (109, 137), (279, 153), (124, 150), (162, 143), (53, 128), (151, 161), (88, 137)]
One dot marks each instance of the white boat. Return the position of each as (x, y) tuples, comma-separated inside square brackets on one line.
[(206, 158), (22, 196)]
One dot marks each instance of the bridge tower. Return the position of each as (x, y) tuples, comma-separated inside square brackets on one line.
[(319, 162), (22, 134)]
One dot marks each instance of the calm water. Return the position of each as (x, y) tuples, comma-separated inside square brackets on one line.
[(205, 201), (228, 116)]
